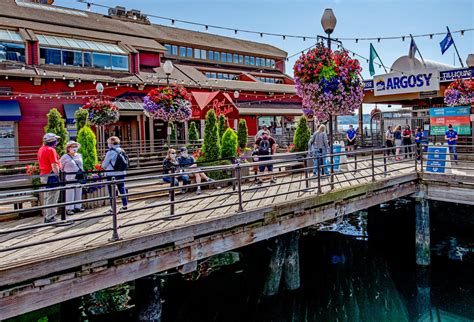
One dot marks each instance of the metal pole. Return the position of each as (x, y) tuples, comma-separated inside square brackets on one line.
[(172, 193), (306, 176), (385, 162), (239, 186), (355, 161), (319, 177), (421, 160), (373, 166), (113, 204), (62, 196)]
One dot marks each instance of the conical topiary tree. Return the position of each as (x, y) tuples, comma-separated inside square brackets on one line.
[(81, 116), (86, 138), (193, 134), (229, 144), (222, 126), (242, 133), (211, 146), (56, 125), (302, 135)]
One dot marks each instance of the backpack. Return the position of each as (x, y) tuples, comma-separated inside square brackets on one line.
[(122, 162), (264, 147)]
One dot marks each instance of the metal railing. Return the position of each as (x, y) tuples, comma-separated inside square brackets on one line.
[(299, 176)]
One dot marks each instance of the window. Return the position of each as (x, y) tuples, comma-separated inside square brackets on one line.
[(236, 59), (229, 58), (168, 49), (12, 51), (197, 54), (174, 50), (80, 44), (213, 75), (10, 35), (272, 63), (259, 61), (217, 55), (203, 53), (220, 76), (120, 62), (101, 61), (50, 56), (223, 57), (241, 59), (72, 58), (88, 59), (252, 60), (190, 52), (247, 60), (211, 55), (182, 51)]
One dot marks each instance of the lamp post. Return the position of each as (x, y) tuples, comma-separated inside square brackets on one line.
[(328, 22), (100, 89), (168, 68), (236, 97)]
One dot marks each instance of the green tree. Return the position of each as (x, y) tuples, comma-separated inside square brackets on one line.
[(56, 125), (193, 134), (211, 146), (302, 135), (81, 116), (222, 126), (229, 144), (242, 133), (86, 138)]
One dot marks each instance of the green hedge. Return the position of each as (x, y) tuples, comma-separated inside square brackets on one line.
[(216, 175)]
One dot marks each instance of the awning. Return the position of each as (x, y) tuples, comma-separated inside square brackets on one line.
[(204, 99), (129, 106), (69, 110), (10, 111), (270, 109)]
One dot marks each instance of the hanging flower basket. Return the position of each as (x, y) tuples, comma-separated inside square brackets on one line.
[(170, 104), (102, 112), (459, 92), (328, 82)]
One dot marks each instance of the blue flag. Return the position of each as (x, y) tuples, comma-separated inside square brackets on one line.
[(446, 43), (413, 49)]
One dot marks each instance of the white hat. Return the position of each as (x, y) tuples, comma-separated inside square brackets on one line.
[(49, 137), (72, 143)]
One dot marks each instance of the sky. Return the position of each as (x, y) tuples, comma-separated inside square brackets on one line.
[(355, 19)]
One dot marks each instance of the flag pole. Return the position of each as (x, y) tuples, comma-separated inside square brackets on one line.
[(418, 50), (457, 52), (380, 60)]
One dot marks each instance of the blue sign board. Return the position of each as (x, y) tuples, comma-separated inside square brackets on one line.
[(450, 111), (450, 75), (337, 158), (437, 158), (368, 84)]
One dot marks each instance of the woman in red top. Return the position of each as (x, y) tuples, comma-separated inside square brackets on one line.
[(406, 137)]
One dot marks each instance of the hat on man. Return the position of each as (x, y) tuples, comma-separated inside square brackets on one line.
[(72, 143), (183, 149), (50, 137), (450, 126)]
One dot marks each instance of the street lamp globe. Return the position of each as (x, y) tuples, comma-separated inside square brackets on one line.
[(236, 94), (168, 67), (470, 60), (99, 88), (328, 21)]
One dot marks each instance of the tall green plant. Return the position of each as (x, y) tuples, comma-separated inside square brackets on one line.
[(86, 138), (222, 126), (229, 144), (193, 134), (211, 146), (81, 116), (57, 126), (302, 135), (242, 133)]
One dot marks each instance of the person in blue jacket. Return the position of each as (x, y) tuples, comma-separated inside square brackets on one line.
[(351, 138), (451, 137), (418, 141)]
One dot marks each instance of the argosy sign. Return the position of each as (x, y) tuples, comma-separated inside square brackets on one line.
[(397, 83)]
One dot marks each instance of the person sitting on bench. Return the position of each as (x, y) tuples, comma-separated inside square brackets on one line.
[(171, 165)]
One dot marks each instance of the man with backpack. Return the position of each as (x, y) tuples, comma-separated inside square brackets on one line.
[(265, 146), (115, 164)]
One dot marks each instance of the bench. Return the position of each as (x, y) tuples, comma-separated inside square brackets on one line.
[(17, 201)]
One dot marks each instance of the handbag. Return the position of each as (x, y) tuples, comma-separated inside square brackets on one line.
[(80, 174), (53, 181)]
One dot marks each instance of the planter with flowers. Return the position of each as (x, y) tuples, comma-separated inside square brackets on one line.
[(102, 112), (33, 171), (97, 190), (328, 82), (459, 92)]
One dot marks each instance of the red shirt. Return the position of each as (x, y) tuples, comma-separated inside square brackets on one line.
[(46, 157)]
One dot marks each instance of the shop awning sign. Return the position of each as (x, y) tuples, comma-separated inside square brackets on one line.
[(458, 117), (398, 83)]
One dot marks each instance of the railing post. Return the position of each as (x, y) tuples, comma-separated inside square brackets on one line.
[(113, 205), (306, 176), (138, 158), (234, 175), (355, 161), (331, 173), (373, 166), (319, 177), (172, 193), (239, 186), (385, 161), (62, 195), (421, 161), (416, 158)]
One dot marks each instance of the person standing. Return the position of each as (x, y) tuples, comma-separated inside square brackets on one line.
[(451, 137), (50, 166), (351, 136), (407, 142), (115, 164), (398, 141), (265, 146), (418, 141), (72, 164), (319, 146), (389, 141), (263, 130)]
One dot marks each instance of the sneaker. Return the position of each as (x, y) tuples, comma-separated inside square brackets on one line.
[(50, 221), (259, 182), (274, 180), (82, 209), (70, 212), (123, 208), (210, 180), (198, 190), (183, 190), (109, 212)]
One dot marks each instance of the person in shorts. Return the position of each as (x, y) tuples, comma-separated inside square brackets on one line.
[(451, 137), (188, 164), (265, 146), (351, 136)]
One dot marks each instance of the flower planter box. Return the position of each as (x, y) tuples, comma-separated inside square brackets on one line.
[(102, 192)]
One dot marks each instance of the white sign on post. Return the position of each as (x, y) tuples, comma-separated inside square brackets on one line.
[(398, 83)]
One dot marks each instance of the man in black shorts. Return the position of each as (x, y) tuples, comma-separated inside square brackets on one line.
[(265, 146)]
